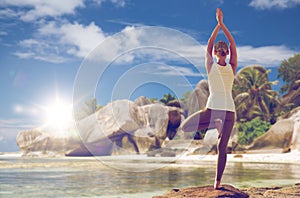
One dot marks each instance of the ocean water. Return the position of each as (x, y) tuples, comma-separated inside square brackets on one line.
[(132, 177)]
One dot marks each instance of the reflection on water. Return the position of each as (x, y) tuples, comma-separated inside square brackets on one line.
[(87, 177)]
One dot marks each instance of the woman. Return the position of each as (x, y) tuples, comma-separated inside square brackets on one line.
[(220, 110)]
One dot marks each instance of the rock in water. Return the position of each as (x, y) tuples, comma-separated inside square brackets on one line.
[(205, 192)]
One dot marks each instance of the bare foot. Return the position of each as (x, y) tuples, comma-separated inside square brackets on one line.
[(217, 185), (218, 123)]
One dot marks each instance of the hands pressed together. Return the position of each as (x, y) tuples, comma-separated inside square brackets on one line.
[(219, 16)]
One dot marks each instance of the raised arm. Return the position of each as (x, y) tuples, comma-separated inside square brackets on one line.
[(210, 46), (233, 53)]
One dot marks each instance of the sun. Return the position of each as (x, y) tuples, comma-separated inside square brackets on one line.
[(58, 115)]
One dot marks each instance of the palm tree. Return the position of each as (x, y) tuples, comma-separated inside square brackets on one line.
[(167, 98), (289, 71), (253, 95)]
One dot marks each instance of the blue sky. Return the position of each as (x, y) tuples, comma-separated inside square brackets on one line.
[(47, 49)]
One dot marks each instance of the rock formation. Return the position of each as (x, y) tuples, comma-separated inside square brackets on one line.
[(294, 115), (141, 101), (204, 191), (284, 134), (198, 97), (286, 192), (232, 192), (130, 128), (120, 127), (37, 140)]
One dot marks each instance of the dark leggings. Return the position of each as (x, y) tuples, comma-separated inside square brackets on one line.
[(206, 119)]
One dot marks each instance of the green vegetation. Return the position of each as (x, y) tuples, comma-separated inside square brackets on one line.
[(186, 96), (250, 130), (289, 71), (257, 105), (253, 94), (153, 100), (167, 98)]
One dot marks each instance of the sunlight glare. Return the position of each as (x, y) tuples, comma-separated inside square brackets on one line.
[(59, 116)]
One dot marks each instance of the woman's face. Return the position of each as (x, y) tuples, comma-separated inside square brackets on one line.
[(221, 52)]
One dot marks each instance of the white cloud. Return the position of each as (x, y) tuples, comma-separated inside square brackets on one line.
[(32, 10), (168, 70), (118, 3), (2, 33), (51, 58), (27, 110), (41, 49), (84, 38), (9, 128), (59, 41), (25, 55), (149, 44), (56, 41), (269, 4), (15, 124), (8, 13), (265, 55)]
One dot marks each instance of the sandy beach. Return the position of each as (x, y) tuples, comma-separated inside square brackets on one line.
[(292, 157), (250, 157)]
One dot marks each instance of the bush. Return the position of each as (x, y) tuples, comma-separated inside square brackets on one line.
[(248, 131)]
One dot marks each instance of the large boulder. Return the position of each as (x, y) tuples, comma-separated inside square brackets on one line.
[(36, 140), (141, 101), (129, 128), (198, 97), (114, 119), (120, 127), (131, 144), (277, 137), (295, 141), (284, 134), (27, 138)]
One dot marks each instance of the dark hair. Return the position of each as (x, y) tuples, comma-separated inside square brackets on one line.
[(221, 44)]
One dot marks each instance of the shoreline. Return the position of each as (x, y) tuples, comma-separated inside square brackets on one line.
[(290, 158)]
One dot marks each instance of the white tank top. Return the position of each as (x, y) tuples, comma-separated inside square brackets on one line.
[(220, 81)]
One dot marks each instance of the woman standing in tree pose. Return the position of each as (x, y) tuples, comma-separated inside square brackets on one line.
[(220, 109)]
